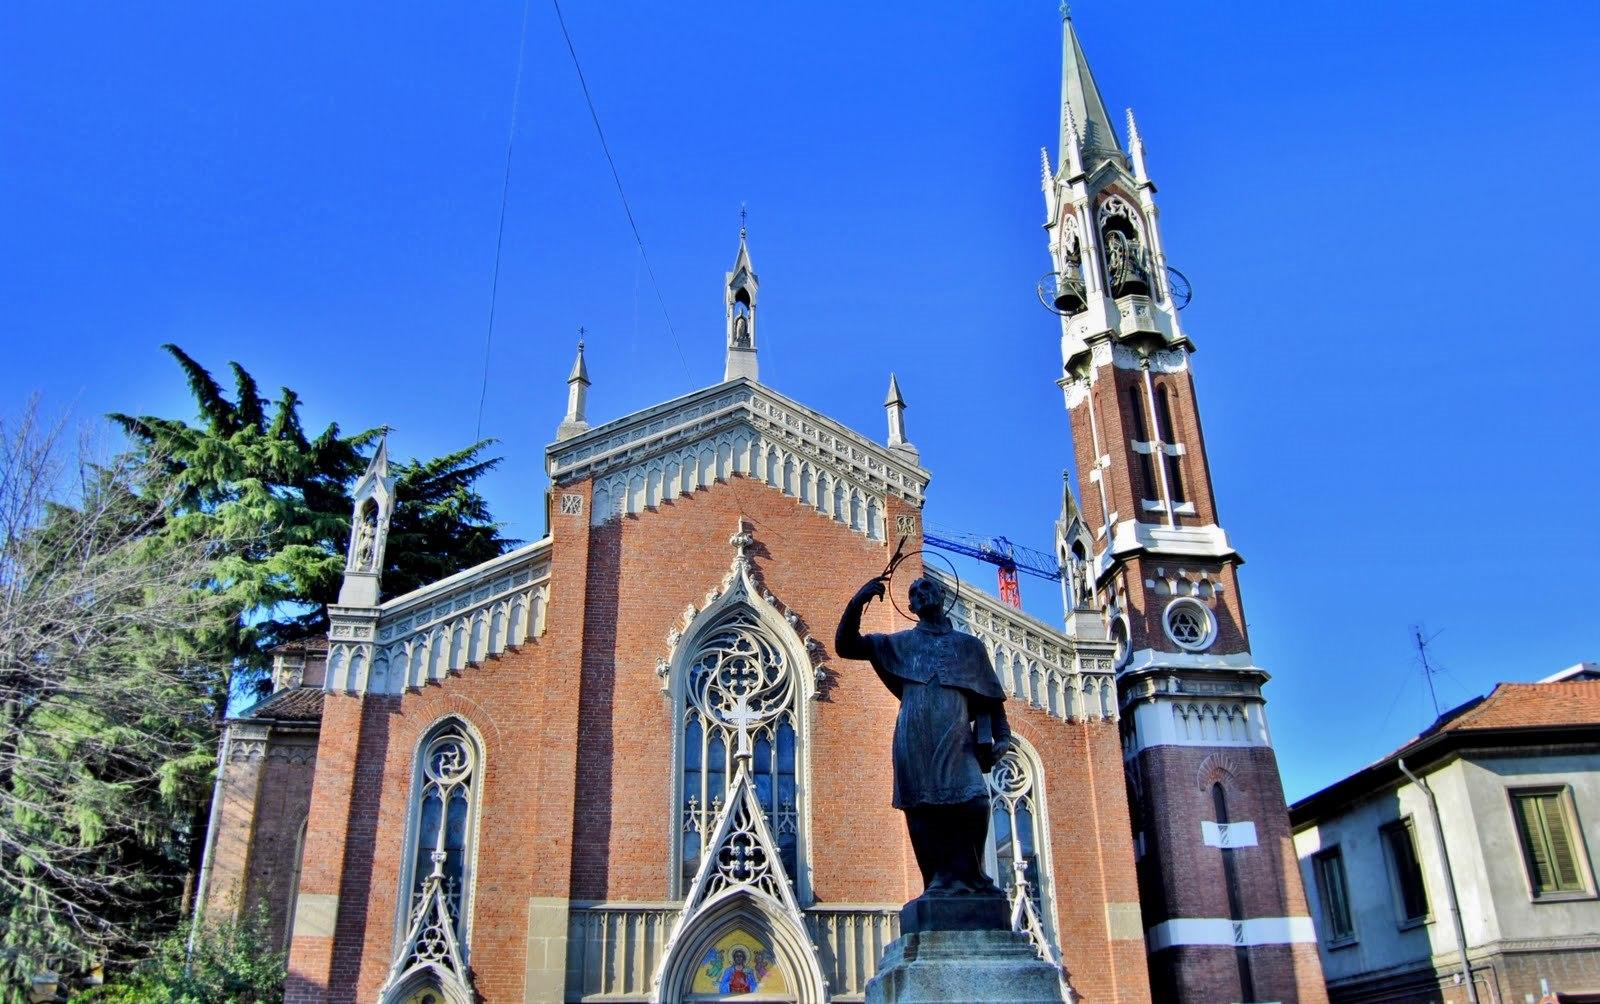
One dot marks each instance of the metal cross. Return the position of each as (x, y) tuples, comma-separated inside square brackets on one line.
[(581, 332), (743, 212)]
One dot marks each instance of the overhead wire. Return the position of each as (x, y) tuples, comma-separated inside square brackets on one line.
[(644, 255), (616, 176), (500, 229)]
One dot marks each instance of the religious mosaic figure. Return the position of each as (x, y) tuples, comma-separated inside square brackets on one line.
[(951, 730)]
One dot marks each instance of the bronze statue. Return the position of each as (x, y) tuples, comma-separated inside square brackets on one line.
[(951, 730)]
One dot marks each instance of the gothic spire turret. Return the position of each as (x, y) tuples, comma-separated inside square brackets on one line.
[(1082, 111), (577, 397), (741, 294), (371, 508), (895, 405)]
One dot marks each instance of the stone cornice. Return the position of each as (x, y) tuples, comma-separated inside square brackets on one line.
[(700, 415)]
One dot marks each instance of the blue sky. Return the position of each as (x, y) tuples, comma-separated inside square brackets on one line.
[(1386, 210)]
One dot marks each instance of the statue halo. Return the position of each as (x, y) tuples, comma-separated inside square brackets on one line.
[(952, 595)]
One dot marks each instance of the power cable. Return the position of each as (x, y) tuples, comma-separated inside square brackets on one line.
[(617, 177), (500, 230)]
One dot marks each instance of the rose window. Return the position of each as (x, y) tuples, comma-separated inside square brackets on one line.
[(1190, 624)]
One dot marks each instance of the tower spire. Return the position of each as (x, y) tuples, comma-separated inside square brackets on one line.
[(1082, 111), (577, 396), (741, 303)]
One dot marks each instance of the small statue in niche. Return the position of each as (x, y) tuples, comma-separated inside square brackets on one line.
[(951, 730), (741, 331), (366, 538)]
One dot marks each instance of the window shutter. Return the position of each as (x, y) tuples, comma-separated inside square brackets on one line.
[(1563, 860), (1534, 844)]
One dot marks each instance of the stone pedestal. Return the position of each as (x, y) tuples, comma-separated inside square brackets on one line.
[(975, 967)]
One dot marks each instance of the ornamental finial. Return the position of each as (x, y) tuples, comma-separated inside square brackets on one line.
[(743, 212), (1066, 11)]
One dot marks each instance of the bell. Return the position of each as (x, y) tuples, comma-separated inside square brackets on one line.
[(1069, 295)]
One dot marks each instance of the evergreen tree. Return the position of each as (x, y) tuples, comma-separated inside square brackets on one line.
[(105, 716), (247, 472)]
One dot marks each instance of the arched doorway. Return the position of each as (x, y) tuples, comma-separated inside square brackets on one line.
[(741, 949)]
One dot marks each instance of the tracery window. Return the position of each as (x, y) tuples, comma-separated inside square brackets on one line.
[(738, 678), (1016, 833), (442, 818)]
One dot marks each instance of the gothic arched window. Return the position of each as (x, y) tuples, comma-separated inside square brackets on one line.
[(1017, 838), (1168, 437), (1141, 435), (738, 679), (443, 815)]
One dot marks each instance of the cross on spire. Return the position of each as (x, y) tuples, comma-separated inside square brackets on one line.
[(743, 212)]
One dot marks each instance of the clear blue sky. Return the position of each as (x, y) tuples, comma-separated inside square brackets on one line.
[(1387, 211)]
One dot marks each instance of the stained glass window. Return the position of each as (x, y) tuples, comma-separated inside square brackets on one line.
[(1017, 833), (739, 678), (443, 815)]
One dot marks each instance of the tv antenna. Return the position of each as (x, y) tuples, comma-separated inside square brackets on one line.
[(1427, 667)]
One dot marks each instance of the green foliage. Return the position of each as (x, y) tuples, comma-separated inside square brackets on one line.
[(105, 723), (247, 472), (231, 963), (133, 604)]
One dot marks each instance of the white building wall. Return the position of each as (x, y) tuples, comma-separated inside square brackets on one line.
[(1488, 780), (1486, 856)]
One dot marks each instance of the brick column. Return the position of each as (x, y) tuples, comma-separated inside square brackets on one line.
[(312, 948), (548, 852), (234, 824)]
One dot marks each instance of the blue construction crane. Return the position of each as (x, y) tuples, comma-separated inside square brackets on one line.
[(1006, 555)]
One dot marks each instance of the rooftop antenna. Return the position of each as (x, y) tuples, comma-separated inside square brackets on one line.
[(1427, 667)]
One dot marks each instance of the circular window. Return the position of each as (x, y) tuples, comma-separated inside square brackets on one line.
[(1189, 624)]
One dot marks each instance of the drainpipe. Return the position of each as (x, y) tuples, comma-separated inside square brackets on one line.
[(223, 749), (1449, 879)]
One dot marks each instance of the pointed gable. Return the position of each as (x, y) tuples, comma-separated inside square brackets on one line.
[(737, 428)]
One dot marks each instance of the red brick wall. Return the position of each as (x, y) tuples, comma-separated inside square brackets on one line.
[(577, 792), (281, 807), (1091, 850), (1182, 877)]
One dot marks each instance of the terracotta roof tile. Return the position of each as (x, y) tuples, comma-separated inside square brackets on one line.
[(297, 704), (1523, 705)]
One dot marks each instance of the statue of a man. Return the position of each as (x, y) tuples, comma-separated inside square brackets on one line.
[(950, 732)]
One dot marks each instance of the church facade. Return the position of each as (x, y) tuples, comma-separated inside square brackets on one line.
[(622, 763)]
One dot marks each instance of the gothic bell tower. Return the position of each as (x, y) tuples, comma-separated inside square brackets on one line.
[(1224, 912)]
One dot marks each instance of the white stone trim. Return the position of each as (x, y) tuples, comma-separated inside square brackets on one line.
[(1145, 659), (1233, 933), (767, 419), (715, 459), (1129, 535), (1218, 721), (427, 634), (1228, 835), (1065, 678)]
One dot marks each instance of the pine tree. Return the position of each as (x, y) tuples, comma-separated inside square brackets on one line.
[(248, 472)]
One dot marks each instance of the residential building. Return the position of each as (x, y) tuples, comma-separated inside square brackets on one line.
[(1481, 827)]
